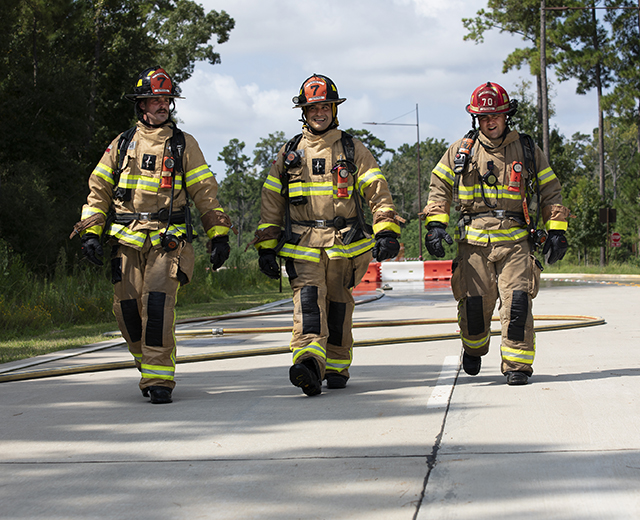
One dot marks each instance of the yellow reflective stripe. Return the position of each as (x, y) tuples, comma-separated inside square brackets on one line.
[(518, 355), (442, 217), (485, 236), (267, 225), (301, 253), (198, 174), (557, 225), (88, 211), (267, 244), (158, 372), (217, 231), (338, 364), (501, 191), (353, 249), (104, 172), (386, 226), (125, 234), (273, 183), (312, 348), (297, 189), (93, 229), (178, 230), (367, 178), (476, 344), (546, 175), (444, 172)]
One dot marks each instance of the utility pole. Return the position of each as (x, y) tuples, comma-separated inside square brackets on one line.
[(544, 98), (417, 125)]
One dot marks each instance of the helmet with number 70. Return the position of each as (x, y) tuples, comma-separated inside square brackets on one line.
[(491, 98)]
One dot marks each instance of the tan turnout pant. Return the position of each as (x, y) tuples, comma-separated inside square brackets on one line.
[(482, 275), (323, 309), (146, 283)]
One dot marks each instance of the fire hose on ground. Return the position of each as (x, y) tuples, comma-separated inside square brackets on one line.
[(572, 322)]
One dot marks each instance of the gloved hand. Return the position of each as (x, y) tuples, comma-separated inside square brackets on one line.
[(436, 233), (387, 246), (268, 263), (91, 248), (219, 251), (555, 246)]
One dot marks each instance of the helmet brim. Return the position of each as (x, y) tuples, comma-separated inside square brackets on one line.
[(327, 101), (135, 97)]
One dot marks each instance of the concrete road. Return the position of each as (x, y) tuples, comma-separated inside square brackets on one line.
[(410, 437)]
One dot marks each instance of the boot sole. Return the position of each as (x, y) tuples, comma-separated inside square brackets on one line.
[(303, 378)]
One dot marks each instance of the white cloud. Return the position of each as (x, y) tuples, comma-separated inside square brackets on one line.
[(384, 55)]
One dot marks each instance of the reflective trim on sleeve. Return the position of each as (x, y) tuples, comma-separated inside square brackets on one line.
[(386, 226), (367, 178), (441, 217), (198, 174), (104, 172), (546, 175), (444, 172), (557, 225), (88, 211), (273, 184)]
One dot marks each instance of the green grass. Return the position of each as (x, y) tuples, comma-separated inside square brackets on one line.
[(611, 268), (76, 336)]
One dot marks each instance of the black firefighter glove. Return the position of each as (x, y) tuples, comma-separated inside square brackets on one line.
[(555, 246), (92, 249), (387, 246), (219, 251), (268, 263), (436, 233)]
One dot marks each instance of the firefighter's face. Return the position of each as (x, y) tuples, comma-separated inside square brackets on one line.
[(492, 125), (319, 116), (156, 110)]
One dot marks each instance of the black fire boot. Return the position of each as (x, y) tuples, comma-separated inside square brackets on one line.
[(306, 375), (471, 364), (516, 378), (159, 394), (335, 380)]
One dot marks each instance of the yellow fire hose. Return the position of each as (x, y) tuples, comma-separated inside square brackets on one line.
[(574, 322)]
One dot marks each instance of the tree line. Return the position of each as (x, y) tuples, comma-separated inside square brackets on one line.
[(65, 65)]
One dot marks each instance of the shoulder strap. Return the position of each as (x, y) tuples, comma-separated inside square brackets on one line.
[(528, 149), (348, 146), (123, 145), (177, 144), (293, 143)]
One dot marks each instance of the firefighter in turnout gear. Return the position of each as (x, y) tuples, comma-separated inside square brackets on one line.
[(510, 204), (312, 217), (139, 198)]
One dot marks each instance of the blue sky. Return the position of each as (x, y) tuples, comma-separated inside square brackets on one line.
[(385, 56)]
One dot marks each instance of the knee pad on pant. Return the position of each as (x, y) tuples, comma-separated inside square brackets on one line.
[(310, 310), (155, 319), (132, 320), (519, 314), (475, 315), (336, 314)]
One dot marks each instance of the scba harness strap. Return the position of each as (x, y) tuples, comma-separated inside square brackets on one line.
[(292, 159), (177, 144)]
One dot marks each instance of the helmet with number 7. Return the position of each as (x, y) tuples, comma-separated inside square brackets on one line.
[(154, 82), (317, 89), (491, 98)]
